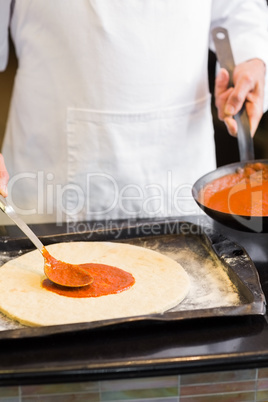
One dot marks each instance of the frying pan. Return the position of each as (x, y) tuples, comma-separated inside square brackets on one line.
[(258, 224)]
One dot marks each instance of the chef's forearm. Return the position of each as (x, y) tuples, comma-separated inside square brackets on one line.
[(247, 25)]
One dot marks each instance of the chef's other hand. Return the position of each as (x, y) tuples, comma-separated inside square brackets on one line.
[(4, 176), (248, 78)]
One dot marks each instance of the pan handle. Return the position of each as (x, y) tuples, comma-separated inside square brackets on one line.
[(226, 60)]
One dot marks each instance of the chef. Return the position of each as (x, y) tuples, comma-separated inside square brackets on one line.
[(110, 114)]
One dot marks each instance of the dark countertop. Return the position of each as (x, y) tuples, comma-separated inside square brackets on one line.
[(144, 348)]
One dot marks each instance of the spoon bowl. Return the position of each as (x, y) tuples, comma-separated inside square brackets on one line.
[(58, 272), (65, 274)]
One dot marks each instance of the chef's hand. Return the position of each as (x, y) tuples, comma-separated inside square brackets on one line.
[(4, 176), (248, 78)]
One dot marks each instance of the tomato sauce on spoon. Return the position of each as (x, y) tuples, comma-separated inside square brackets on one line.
[(65, 274)]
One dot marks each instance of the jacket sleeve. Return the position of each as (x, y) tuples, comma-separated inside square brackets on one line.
[(5, 6), (247, 25)]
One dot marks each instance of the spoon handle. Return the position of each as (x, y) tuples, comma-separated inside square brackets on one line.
[(8, 209), (226, 60)]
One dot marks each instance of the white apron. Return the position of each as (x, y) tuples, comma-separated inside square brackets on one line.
[(110, 116)]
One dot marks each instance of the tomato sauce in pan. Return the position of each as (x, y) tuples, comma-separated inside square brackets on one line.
[(244, 192)]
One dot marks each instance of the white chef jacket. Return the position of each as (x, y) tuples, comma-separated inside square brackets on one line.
[(110, 115)]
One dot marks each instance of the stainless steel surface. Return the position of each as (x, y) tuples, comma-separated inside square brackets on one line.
[(226, 60), (9, 210)]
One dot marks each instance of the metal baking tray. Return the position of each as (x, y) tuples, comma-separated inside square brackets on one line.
[(224, 280)]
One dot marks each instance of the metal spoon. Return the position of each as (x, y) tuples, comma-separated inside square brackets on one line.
[(59, 272)]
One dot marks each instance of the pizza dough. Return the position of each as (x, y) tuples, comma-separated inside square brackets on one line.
[(160, 284)]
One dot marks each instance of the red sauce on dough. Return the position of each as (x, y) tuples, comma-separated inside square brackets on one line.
[(244, 192), (106, 280)]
